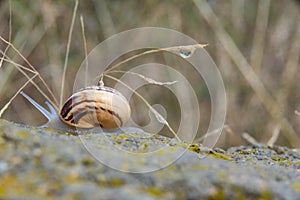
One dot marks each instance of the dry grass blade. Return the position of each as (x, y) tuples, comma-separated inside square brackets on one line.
[(237, 14), (211, 133), (85, 50), (22, 70), (184, 51), (131, 58), (237, 56), (158, 116), (67, 54), (288, 78), (4, 108), (259, 39), (32, 67), (9, 35), (274, 137), (9, 60), (249, 138), (189, 49), (247, 71), (176, 50), (147, 79)]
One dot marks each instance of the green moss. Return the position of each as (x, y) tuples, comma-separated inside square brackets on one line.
[(219, 155), (87, 161), (11, 183), (22, 134), (145, 145), (111, 183), (194, 148), (116, 182), (265, 195), (219, 195), (123, 136), (156, 191), (278, 158), (52, 162), (296, 187)]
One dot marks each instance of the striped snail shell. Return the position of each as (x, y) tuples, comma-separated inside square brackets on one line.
[(90, 107), (96, 106)]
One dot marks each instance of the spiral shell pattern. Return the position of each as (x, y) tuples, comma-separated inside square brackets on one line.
[(96, 106)]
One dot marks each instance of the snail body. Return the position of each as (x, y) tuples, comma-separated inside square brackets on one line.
[(90, 107)]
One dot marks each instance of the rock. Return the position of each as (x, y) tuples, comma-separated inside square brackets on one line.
[(43, 163)]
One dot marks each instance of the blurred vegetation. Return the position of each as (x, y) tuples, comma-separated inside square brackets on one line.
[(265, 32)]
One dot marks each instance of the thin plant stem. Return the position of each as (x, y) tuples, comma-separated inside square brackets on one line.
[(237, 56), (288, 78), (32, 67), (131, 58), (5, 107), (170, 49), (67, 54), (247, 71), (9, 34), (260, 34), (149, 80), (85, 50), (157, 114), (20, 69), (9, 60), (211, 133), (275, 136), (249, 138)]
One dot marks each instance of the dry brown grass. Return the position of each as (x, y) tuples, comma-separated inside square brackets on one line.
[(256, 45)]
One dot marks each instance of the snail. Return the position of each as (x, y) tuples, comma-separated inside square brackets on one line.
[(90, 107)]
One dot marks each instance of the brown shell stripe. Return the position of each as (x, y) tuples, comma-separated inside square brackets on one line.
[(69, 106), (77, 113)]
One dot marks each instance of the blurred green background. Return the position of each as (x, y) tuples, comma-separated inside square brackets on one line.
[(263, 35)]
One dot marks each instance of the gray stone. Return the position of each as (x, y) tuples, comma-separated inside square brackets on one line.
[(43, 163)]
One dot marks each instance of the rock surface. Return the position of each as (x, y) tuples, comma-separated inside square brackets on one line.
[(42, 163)]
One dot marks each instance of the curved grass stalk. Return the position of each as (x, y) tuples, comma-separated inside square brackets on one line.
[(67, 55), (147, 79), (249, 138), (158, 116), (271, 105), (4, 108), (9, 60), (32, 67), (85, 49), (9, 34), (211, 133), (33, 83), (175, 49), (22, 69), (274, 136)]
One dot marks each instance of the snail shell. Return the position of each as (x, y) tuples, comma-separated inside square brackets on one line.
[(96, 106), (90, 107)]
